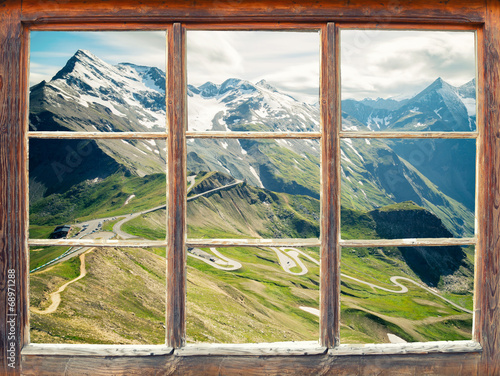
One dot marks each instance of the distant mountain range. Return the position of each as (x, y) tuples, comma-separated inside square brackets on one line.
[(89, 94)]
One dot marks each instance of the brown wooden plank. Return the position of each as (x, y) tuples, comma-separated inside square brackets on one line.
[(253, 242), (384, 134), (95, 350), (189, 242), (416, 242), (451, 11), (12, 209), (407, 348), (98, 135), (160, 135), (253, 349), (176, 187), (84, 242), (488, 275), (455, 364), (268, 135), (330, 190), (412, 26)]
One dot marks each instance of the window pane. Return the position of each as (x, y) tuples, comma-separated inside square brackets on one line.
[(253, 188), (253, 81), (408, 80), (243, 295), (101, 188), (97, 81), (406, 294), (419, 188), (97, 295)]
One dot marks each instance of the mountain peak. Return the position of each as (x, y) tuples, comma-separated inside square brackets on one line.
[(266, 85), (85, 53), (80, 57)]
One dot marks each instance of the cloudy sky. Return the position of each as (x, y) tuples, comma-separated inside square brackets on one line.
[(374, 63), (388, 63), (287, 60)]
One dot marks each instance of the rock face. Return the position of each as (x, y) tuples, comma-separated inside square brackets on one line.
[(90, 95), (407, 220)]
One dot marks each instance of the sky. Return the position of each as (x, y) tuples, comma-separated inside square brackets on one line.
[(389, 63), (374, 63), (50, 50)]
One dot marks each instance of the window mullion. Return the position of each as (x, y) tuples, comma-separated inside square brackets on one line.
[(176, 187), (330, 188)]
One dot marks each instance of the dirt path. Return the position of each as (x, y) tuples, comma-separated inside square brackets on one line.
[(56, 296)]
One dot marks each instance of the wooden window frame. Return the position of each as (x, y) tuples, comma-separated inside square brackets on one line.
[(480, 356)]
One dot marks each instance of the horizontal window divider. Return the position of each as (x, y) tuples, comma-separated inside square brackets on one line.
[(407, 348), (97, 243), (41, 349), (253, 243), (98, 135), (410, 242), (253, 349), (451, 135), (273, 135)]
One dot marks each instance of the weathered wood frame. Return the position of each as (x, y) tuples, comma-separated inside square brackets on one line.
[(480, 356)]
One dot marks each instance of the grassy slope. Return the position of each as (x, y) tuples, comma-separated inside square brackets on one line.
[(107, 198), (121, 300), (256, 303)]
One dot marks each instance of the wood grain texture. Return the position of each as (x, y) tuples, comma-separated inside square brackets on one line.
[(271, 135), (330, 189), (98, 135), (456, 364), (12, 187), (407, 348), (487, 312), (125, 14), (453, 135), (253, 349), (176, 187), (253, 242), (160, 135), (96, 350), (442, 12), (420, 242), (163, 243)]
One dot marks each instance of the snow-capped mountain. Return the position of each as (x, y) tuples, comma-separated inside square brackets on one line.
[(439, 107), (89, 94), (240, 103), (133, 96)]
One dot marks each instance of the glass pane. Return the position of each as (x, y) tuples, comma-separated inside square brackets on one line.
[(418, 188), (253, 188), (253, 81), (408, 80), (97, 295), (97, 188), (243, 295), (97, 81), (406, 294)]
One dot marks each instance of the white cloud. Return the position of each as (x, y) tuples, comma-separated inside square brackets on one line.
[(387, 63), (287, 60), (211, 56)]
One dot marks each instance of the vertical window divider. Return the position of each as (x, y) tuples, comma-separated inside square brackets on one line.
[(330, 188), (175, 320)]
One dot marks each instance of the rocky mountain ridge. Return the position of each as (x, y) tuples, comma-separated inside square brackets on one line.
[(89, 94)]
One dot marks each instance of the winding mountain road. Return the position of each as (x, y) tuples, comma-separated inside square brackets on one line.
[(394, 279), (288, 257)]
